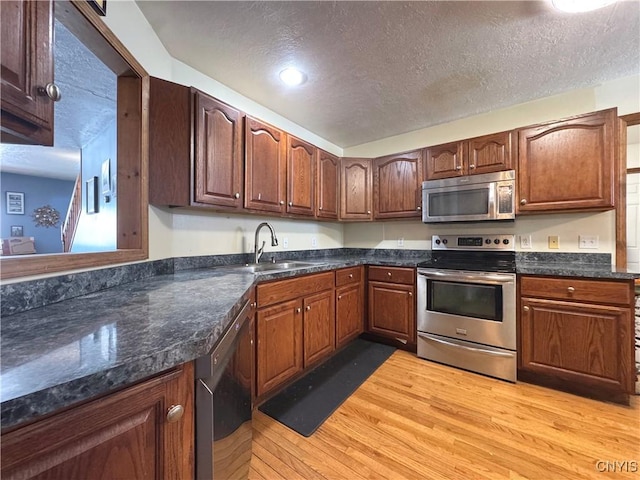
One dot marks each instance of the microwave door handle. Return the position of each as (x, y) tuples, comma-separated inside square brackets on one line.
[(463, 277), (476, 350)]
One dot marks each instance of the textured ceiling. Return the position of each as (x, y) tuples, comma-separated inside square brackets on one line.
[(88, 103), (377, 69)]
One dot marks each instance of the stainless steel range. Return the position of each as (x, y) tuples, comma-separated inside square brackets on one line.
[(467, 304)]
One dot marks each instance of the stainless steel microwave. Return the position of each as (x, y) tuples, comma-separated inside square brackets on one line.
[(472, 198)]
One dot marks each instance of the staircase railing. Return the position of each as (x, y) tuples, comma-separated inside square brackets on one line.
[(70, 224)]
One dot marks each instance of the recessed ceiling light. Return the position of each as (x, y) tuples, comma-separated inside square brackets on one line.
[(574, 6), (292, 76)]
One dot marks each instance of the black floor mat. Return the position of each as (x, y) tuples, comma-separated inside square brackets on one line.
[(307, 403)]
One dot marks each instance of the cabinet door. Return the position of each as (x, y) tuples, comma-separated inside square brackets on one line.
[(392, 311), (444, 161), (397, 185), (567, 165), (588, 345), (301, 177), (123, 435), (319, 327), (279, 351), (349, 315), (490, 153), (328, 185), (356, 191), (265, 167), (27, 65), (218, 153)]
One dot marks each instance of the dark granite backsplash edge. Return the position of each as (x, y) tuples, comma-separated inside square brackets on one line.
[(22, 296)]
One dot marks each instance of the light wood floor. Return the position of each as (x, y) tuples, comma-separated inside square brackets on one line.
[(419, 420)]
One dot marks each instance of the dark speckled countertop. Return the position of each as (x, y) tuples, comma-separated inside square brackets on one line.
[(67, 352), (83, 335)]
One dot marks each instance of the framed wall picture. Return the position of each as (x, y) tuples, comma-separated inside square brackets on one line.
[(15, 203), (100, 6), (17, 231), (106, 176), (92, 195)]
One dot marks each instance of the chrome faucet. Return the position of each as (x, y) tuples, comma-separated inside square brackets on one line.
[(274, 241)]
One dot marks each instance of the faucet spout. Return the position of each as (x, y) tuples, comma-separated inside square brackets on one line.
[(274, 241)]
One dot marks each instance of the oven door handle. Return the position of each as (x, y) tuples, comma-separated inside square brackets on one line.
[(475, 350), (467, 277)]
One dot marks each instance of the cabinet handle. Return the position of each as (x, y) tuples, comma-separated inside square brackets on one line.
[(523, 201), (307, 308), (419, 208), (319, 208), (237, 195), (459, 167), (571, 289), (525, 308), (298, 310), (411, 294), (351, 275), (174, 413), (291, 204), (368, 212), (388, 274), (472, 166), (339, 297), (51, 90), (253, 304), (281, 202)]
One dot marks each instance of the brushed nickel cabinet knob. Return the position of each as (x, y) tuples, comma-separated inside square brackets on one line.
[(308, 307), (291, 204), (175, 413), (51, 90), (237, 195), (459, 167), (281, 202), (571, 289), (472, 166), (523, 201), (298, 310), (525, 308)]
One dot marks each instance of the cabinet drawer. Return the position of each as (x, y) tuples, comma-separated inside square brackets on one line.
[(393, 275), (346, 276), (283, 290), (596, 291)]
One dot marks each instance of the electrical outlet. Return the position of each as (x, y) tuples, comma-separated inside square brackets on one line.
[(314, 242), (401, 242), (588, 241), (554, 241), (525, 241), (285, 242)]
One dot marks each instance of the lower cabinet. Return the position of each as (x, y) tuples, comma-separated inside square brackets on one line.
[(137, 433), (295, 327), (392, 307), (349, 305), (577, 335)]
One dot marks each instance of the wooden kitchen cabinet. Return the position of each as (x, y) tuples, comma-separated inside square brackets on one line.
[(328, 186), (568, 165), (397, 185), (295, 328), (577, 335), (474, 156), (265, 167), (180, 116), (391, 312), (301, 177), (127, 434), (349, 304), (356, 184), (26, 53)]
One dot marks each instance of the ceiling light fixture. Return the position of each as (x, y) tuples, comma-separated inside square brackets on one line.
[(292, 76), (575, 6)]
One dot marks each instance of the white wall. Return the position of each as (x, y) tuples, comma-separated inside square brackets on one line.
[(176, 233)]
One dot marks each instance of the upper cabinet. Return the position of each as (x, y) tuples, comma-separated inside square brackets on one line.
[(181, 117), (485, 154), (356, 189), (397, 183), (301, 177), (568, 165), (218, 153), (27, 90), (265, 167), (328, 183)]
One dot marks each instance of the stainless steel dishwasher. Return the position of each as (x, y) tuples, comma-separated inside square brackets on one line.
[(223, 403)]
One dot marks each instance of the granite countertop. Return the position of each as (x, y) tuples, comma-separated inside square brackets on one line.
[(58, 354), (74, 350)]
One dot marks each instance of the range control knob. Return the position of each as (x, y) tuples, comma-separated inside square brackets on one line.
[(445, 241), (487, 241), (438, 241), (496, 241), (505, 241)]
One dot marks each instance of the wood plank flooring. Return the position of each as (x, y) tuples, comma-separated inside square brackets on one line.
[(414, 419)]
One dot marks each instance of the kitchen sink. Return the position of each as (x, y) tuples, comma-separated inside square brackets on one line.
[(274, 266)]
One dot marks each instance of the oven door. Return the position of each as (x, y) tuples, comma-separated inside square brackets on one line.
[(476, 307)]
